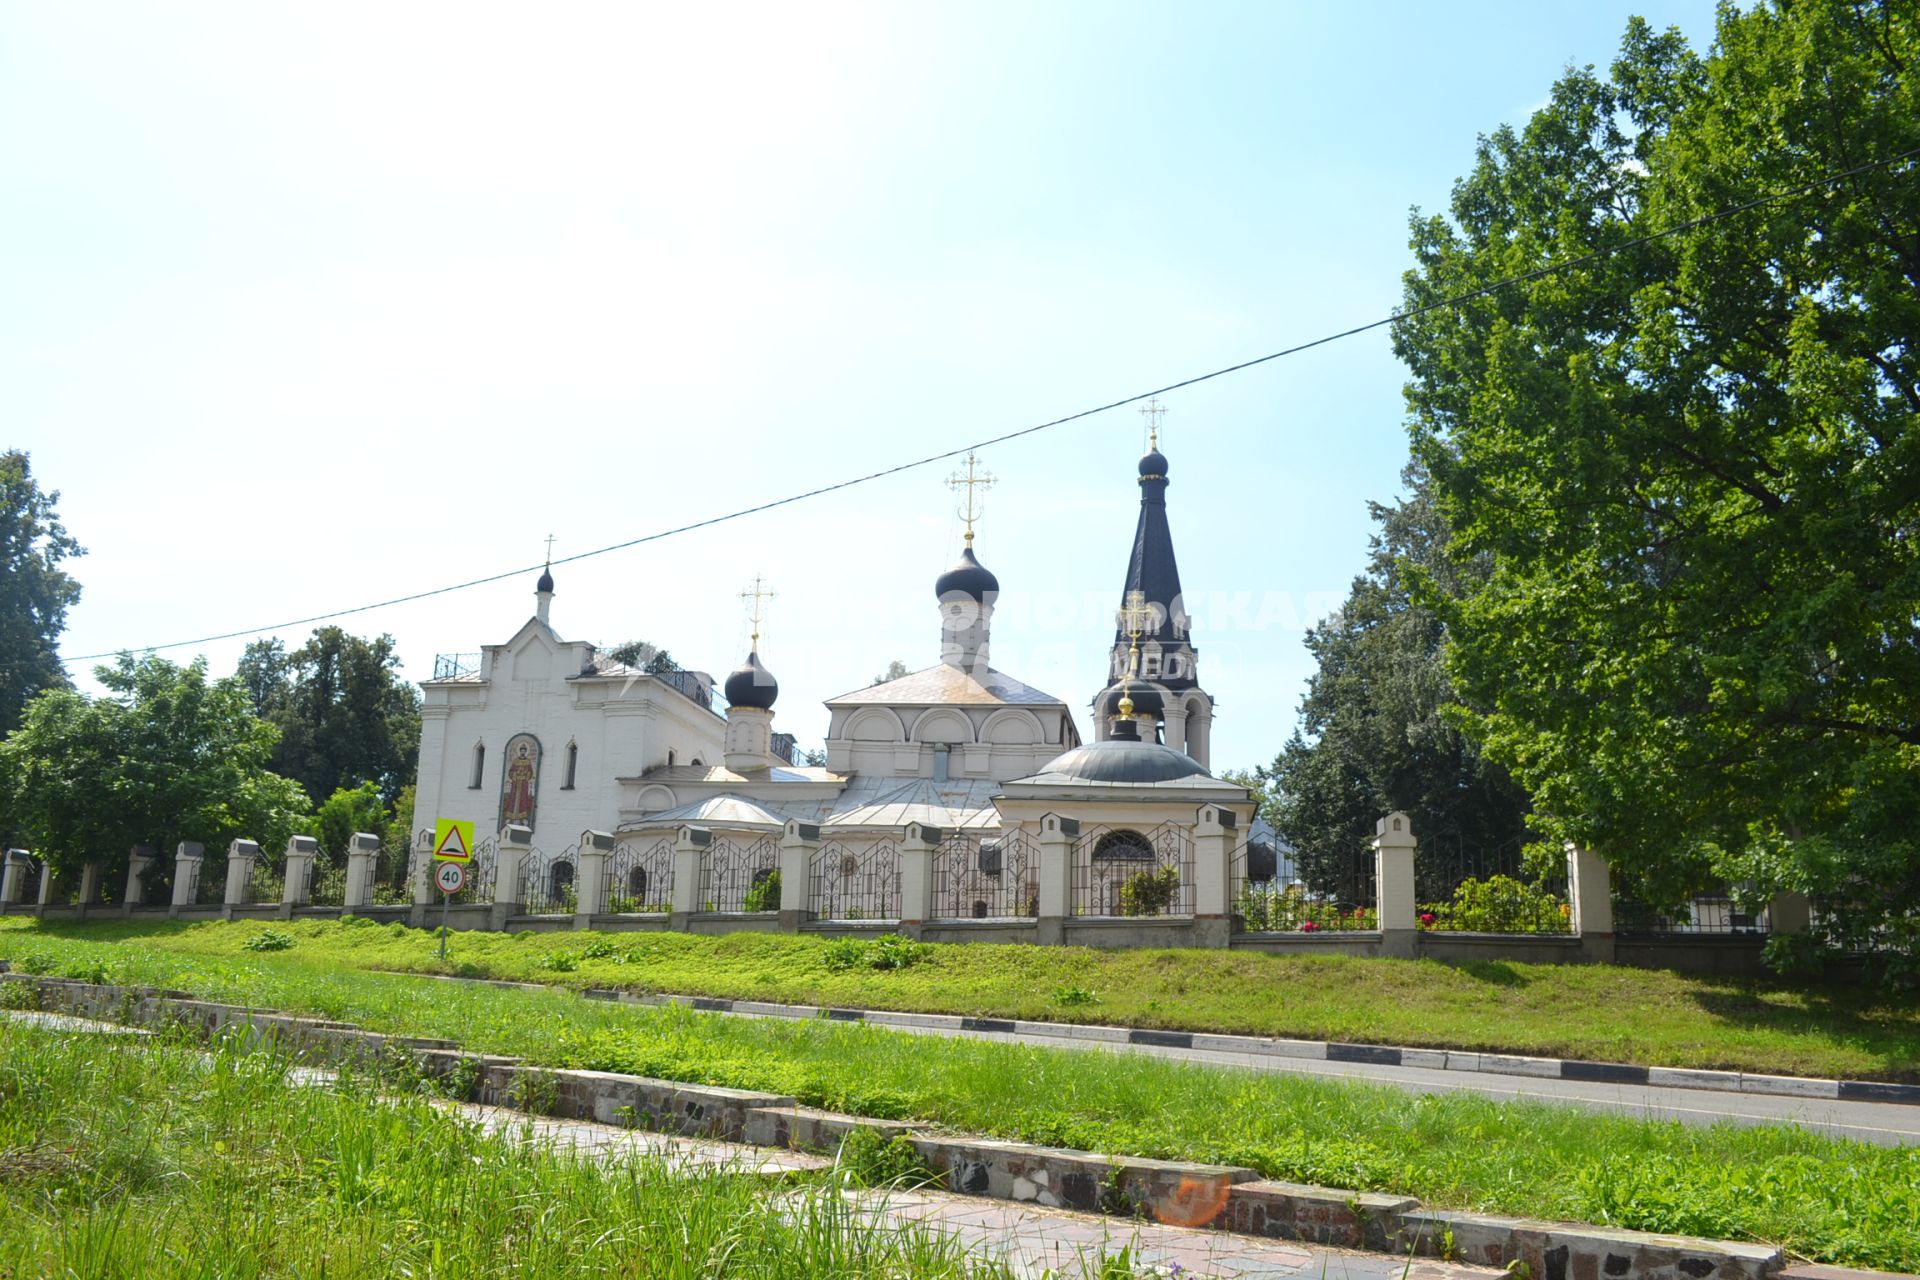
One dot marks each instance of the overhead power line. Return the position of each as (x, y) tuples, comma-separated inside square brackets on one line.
[(960, 450)]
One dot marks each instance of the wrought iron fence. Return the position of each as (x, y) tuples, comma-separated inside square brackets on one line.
[(1119, 871), (1465, 887), (849, 881), (1715, 911), (326, 880), (640, 877), (991, 878), (267, 883), (483, 875), (210, 887), (547, 882), (732, 870)]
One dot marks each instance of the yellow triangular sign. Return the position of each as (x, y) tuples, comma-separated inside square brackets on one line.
[(453, 841)]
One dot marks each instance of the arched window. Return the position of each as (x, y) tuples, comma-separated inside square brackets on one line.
[(669, 758), (698, 763), (479, 766), (559, 880), (637, 884), (573, 763), (1123, 844)]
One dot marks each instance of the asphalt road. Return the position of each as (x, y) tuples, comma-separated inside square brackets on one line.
[(1885, 1123)]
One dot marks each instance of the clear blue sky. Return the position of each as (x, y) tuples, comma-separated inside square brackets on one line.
[(304, 307)]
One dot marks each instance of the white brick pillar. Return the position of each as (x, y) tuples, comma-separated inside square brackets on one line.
[(420, 873), (92, 872), (510, 853), (1393, 851), (590, 888), (187, 857), (139, 858), (241, 855), (1057, 838), (686, 873), (798, 843), (363, 848), (13, 882), (1214, 831), (918, 849), (297, 889), (1590, 902)]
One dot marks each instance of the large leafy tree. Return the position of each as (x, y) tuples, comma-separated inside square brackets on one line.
[(35, 592), (1693, 462), (345, 714), (164, 755), (1373, 735)]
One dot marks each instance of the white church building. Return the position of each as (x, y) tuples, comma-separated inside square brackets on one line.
[(956, 801)]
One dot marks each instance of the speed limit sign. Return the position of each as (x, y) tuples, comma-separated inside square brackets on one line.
[(451, 877)]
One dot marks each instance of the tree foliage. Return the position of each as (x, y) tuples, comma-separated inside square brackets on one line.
[(1373, 736), (1692, 464), (165, 755), (344, 713), (642, 655), (35, 592)]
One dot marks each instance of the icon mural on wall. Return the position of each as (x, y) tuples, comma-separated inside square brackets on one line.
[(519, 779)]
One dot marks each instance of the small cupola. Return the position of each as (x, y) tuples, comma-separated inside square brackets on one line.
[(751, 685)]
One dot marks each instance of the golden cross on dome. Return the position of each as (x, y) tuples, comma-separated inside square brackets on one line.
[(975, 481), (1153, 412), (757, 595), (549, 549), (1135, 615)]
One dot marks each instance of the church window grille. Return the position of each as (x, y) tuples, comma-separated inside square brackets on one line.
[(573, 764), (478, 778), (1107, 860), (993, 878)]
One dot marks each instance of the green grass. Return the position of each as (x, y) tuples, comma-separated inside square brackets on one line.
[(1836, 1201), (1603, 1012), (130, 1160)]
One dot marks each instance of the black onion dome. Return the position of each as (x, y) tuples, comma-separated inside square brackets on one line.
[(545, 584), (752, 685), (1124, 760), (968, 577), (1153, 465), (1146, 699)]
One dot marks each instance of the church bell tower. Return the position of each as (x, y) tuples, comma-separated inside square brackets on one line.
[(1153, 658)]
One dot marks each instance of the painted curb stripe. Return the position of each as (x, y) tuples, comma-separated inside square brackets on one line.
[(847, 1015), (987, 1024), (711, 1005), (1607, 1072), (1874, 1091), (1373, 1054), (1164, 1039)]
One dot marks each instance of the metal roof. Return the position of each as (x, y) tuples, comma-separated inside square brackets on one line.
[(943, 684)]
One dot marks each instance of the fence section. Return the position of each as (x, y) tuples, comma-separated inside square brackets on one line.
[(735, 873), (547, 882), (1470, 887), (1118, 871), (991, 878), (1716, 911), (849, 880), (640, 878)]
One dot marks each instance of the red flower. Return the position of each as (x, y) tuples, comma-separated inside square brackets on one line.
[(1426, 917), (1309, 927)]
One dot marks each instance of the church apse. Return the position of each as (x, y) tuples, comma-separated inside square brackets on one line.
[(520, 780)]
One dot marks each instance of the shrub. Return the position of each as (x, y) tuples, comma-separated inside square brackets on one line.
[(1149, 893), (559, 961), (19, 995), (868, 1160), (764, 894), (35, 962), (1498, 904), (888, 951), (269, 940), (844, 953), (1281, 910), (1074, 996)]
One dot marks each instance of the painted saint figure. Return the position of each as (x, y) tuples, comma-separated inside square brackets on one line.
[(519, 781)]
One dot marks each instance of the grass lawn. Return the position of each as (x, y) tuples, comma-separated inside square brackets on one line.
[(1835, 1201), (128, 1159), (1601, 1012)]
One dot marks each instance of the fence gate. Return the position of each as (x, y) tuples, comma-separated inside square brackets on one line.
[(846, 881), (1119, 871), (990, 878)]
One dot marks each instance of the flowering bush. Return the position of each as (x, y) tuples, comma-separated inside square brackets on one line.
[(1499, 904), (1276, 910)]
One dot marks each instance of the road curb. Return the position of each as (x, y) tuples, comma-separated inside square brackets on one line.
[(1502, 1064)]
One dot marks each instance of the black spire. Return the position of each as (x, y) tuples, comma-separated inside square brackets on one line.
[(1153, 573)]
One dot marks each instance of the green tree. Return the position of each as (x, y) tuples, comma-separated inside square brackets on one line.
[(1373, 733), (643, 656), (344, 713), (165, 755), (35, 592), (346, 811), (1693, 463), (894, 671)]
